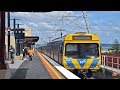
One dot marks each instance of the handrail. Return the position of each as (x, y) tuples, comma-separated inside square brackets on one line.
[(105, 61)]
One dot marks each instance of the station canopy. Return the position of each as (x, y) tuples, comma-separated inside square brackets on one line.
[(31, 39)]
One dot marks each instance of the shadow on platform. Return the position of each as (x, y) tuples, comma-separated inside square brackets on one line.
[(20, 74)]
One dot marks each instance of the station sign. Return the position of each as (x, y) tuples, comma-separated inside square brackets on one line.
[(20, 35), (19, 40)]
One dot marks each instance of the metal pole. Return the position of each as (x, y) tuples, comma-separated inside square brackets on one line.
[(86, 21), (104, 66), (112, 61), (2, 41), (14, 26), (8, 19), (8, 35), (117, 63), (61, 34), (14, 22), (17, 25)]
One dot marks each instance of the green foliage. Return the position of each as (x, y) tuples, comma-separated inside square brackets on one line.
[(116, 47)]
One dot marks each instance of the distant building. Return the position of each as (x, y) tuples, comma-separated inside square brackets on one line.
[(28, 32), (12, 41)]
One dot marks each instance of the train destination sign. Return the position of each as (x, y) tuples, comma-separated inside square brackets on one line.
[(82, 37)]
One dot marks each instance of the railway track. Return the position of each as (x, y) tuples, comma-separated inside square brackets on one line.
[(100, 74), (106, 74)]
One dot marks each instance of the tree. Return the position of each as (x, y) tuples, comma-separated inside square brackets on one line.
[(116, 46)]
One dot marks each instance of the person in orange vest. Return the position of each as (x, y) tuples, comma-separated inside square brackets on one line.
[(30, 53)]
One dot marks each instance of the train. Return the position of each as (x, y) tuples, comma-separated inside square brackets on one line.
[(77, 51)]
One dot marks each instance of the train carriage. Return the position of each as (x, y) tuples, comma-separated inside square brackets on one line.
[(75, 51)]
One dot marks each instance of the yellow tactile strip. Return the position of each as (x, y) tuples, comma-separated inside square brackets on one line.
[(52, 71)]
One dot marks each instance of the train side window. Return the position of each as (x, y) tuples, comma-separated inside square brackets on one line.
[(100, 48), (60, 49)]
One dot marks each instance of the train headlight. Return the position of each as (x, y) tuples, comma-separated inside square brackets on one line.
[(92, 57), (97, 66), (67, 66)]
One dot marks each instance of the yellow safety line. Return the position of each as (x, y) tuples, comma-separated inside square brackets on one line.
[(50, 66)]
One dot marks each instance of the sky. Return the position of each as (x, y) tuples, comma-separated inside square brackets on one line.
[(49, 25)]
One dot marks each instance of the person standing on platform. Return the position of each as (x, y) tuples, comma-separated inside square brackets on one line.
[(24, 53), (30, 53), (12, 52)]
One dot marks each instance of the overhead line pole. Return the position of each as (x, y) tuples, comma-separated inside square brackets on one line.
[(8, 13), (14, 22), (86, 21), (18, 25)]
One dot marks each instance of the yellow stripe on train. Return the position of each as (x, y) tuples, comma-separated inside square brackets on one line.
[(76, 63), (88, 63), (82, 63)]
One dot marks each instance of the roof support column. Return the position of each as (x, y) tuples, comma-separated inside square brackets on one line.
[(2, 41)]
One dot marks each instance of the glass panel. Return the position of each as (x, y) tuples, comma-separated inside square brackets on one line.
[(92, 50), (71, 50), (71, 47), (81, 50)]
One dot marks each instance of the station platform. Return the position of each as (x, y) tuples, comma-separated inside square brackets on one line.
[(31, 70), (38, 68)]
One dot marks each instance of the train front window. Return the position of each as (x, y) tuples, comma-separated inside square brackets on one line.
[(72, 50), (82, 50), (92, 50)]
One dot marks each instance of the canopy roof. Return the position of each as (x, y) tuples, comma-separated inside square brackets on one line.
[(31, 39)]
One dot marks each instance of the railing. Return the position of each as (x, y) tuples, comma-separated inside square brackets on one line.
[(111, 61)]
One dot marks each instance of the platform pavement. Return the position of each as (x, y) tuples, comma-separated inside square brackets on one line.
[(24, 69), (34, 69), (11, 68)]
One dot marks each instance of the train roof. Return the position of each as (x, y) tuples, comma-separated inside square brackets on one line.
[(70, 36), (61, 39), (58, 39)]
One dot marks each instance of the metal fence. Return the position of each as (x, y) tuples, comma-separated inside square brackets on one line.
[(111, 61)]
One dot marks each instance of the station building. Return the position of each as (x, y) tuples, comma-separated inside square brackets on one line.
[(19, 38)]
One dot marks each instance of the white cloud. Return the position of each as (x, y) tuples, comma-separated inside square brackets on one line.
[(42, 24), (37, 19), (33, 24), (41, 16), (59, 13), (45, 25), (108, 12), (116, 28), (25, 26), (21, 14)]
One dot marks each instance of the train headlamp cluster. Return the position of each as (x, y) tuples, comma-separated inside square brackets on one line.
[(97, 66)]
